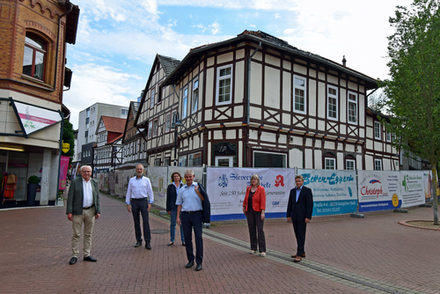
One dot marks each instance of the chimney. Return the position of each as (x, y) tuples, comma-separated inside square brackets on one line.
[(344, 61)]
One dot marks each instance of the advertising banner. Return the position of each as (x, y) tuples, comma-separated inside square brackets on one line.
[(227, 187), (334, 192), (64, 167), (412, 190), (378, 190), (158, 178)]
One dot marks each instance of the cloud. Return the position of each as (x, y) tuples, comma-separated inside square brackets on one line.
[(93, 83)]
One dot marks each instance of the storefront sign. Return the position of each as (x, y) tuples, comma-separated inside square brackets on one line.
[(65, 147), (227, 187), (34, 118), (378, 190), (334, 192)]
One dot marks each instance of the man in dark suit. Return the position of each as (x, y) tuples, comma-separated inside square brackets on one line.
[(299, 212), (83, 208)]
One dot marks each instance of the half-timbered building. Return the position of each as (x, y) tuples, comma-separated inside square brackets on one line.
[(108, 150), (157, 112), (256, 101), (133, 141)]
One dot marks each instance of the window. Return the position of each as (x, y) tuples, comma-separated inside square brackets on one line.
[(182, 160), (377, 164), (299, 100), (124, 112), (195, 159), (269, 159), (34, 57), (157, 162), (377, 131), (332, 102), (350, 164), (150, 129), (352, 107), (86, 134), (153, 94), (388, 136), (167, 122), (224, 85), (87, 121), (185, 103), (155, 127), (195, 96), (329, 163)]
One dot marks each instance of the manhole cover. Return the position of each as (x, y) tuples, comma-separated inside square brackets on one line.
[(159, 231)]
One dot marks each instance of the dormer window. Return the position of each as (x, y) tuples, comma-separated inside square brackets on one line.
[(34, 57)]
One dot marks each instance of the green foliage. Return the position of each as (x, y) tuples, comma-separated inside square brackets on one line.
[(33, 180), (68, 137), (413, 93)]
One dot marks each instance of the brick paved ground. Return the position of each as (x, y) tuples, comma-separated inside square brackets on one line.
[(376, 246), (35, 249)]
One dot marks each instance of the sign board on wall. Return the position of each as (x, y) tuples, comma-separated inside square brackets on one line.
[(226, 188), (412, 189), (334, 192), (34, 118), (378, 190)]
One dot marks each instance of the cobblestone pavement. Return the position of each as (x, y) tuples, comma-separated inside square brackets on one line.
[(345, 255)]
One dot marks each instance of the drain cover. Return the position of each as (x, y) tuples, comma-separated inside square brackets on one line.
[(159, 231)]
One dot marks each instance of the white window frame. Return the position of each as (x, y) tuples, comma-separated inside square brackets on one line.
[(388, 136), (377, 125), (195, 96), (379, 162), (167, 122), (300, 88), (330, 159), (230, 76), (351, 161), (185, 102), (355, 102), (329, 96)]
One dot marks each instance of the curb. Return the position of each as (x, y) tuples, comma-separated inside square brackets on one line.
[(405, 223)]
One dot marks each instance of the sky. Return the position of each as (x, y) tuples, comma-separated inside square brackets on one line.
[(117, 40)]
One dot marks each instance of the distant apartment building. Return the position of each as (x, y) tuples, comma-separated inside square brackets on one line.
[(87, 125)]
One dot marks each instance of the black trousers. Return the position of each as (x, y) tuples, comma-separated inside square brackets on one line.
[(190, 221), (299, 227), (255, 224), (140, 207)]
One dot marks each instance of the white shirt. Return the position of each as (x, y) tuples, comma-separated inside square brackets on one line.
[(87, 193), (139, 188)]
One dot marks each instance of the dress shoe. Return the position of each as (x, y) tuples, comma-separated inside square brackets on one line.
[(148, 246), (89, 258), (189, 264), (297, 259), (253, 252), (198, 267), (262, 254), (302, 255), (138, 244), (183, 244), (73, 260), (170, 244)]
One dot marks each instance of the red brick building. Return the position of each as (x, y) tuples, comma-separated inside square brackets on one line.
[(33, 37)]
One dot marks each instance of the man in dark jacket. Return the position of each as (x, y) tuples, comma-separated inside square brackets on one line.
[(299, 211), (83, 208)]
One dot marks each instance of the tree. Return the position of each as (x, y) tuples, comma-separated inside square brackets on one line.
[(68, 137), (413, 92)]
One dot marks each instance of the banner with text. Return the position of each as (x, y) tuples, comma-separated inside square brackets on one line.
[(334, 192), (412, 191), (378, 190), (227, 187)]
